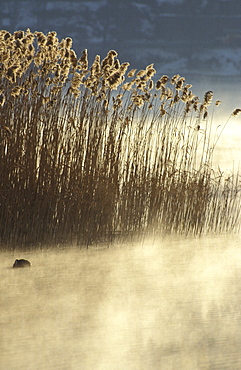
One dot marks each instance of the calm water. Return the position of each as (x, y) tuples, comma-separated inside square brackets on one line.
[(227, 89), (169, 304)]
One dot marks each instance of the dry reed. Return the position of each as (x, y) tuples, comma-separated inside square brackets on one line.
[(89, 153)]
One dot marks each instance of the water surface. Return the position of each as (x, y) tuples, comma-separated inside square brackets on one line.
[(172, 303)]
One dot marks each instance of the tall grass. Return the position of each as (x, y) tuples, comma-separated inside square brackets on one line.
[(89, 153)]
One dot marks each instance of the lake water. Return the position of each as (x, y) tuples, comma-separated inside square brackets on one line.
[(168, 303), (227, 154)]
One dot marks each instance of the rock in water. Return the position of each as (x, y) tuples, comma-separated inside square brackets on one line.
[(21, 263)]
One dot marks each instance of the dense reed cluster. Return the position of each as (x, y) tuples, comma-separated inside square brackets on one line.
[(91, 152)]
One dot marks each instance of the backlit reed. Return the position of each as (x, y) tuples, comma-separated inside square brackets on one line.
[(89, 152)]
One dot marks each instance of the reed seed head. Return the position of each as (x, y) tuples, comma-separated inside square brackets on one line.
[(127, 85), (141, 73), (179, 83), (18, 35), (174, 79), (164, 79), (117, 64), (150, 72), (162, 110), (236, 112), (205, 114), (151, 85), (158, 85), (208, 97), (41, 38), (69, 42), (131, 73), (84, 60)]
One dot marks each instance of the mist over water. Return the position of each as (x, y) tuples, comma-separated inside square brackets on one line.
[(161, 304)]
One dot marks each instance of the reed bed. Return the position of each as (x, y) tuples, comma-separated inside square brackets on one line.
[(91, 153)]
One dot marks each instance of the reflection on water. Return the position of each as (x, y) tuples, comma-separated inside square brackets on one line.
[(172, 304)]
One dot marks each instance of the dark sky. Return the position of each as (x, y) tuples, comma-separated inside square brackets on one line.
[(143, 31)]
